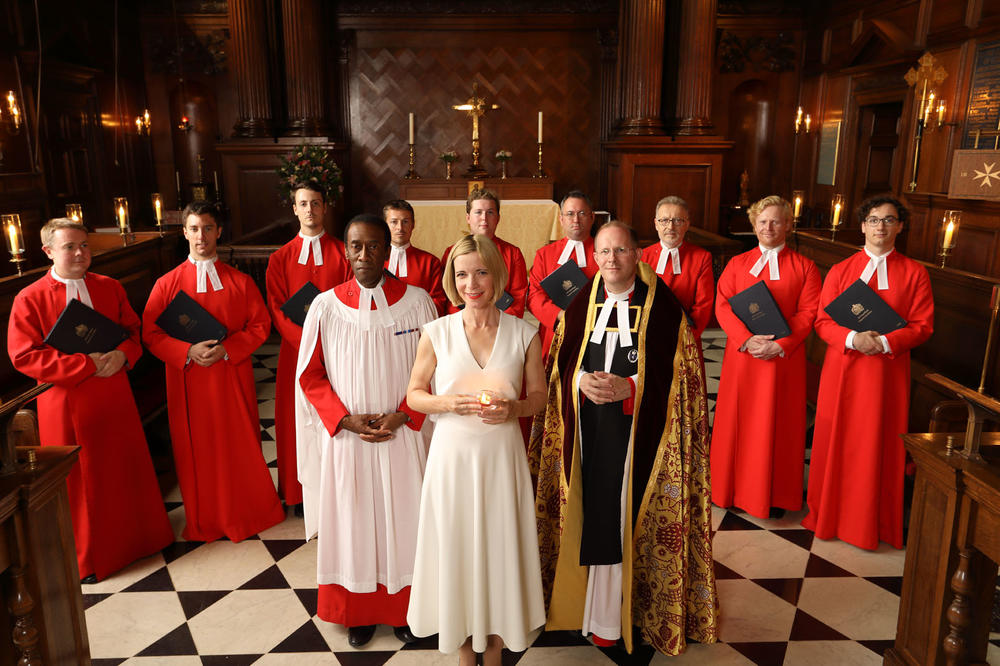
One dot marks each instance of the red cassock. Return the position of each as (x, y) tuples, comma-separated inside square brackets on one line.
[(424, 270), (694, 287), (539, 303), (517, 275), (118, 514), (857, 462), (285, 276), (214, 424), (758, 437), (336, 603)]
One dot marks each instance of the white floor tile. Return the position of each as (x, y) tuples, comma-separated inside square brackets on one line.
[(830, 653), (886, 561), (759, 554), (126, 623), (751, 613), (856, 608), (130, 574), (220, 565), (247, 622)]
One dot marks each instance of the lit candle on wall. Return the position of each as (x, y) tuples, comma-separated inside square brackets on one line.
[(798, 121), (411, 128), (539, 127), (138, 125), (121, 217), (15, 247), (158, 208), (798, 206), (928, 107), (949, 231), (808, 122), (940, 114)]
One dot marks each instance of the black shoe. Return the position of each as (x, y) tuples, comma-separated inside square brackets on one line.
[(89, 580), (404, 634), (299, 510), (358, 636)]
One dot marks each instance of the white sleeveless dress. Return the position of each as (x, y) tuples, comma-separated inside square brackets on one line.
[(477, 570)]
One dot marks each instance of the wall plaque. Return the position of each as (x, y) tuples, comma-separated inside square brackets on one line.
[(829, 143), (984, 96)]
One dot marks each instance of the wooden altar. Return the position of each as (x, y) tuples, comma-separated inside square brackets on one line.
[(423, 189)]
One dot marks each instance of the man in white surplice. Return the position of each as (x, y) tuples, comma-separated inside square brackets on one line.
[(361, 450)]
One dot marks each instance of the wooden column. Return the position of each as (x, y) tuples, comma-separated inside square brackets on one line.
[(639, 78), (305, 65), (694, 68), (247, 26)]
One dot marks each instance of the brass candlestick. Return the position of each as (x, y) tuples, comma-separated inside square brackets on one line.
[(541, 170), (412, 172), (14, 240), (475, 170)]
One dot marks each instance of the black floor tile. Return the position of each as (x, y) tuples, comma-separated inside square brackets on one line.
[(801, 538), (560, 639), (893, 584), (807, 628), (304, 639), (308, 597), (641, 655), (93, 599), (425, 643), (158, 581), (230, 659), (269, 579), (763, 653), (179, 549), (722, 572), (878, 647), (785, 588), (177, 642), (279, 548), (733, 522), (817, 567), (363, 658), (107, 662), (194, 602)]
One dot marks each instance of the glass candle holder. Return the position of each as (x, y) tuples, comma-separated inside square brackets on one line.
[(836, 211), (157, 208), (121, 215), (75, 212)]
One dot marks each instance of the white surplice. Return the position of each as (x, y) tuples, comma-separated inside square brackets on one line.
[(362, 498)]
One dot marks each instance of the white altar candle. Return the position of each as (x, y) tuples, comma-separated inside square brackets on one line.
[(411, 128), (539, 127)]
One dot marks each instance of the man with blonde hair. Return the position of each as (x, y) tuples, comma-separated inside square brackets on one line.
[(758, 437), (482, 213), (118, 514)]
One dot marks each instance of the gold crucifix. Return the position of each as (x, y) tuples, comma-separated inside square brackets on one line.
[(476, 107)]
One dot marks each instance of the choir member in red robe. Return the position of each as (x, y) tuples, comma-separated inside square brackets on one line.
[(408, 263), (576, 215), (685, 268), (361, 450), (115, 504), (857, 462), (758, 437), (482, 212), (312, 256), (211, 399)]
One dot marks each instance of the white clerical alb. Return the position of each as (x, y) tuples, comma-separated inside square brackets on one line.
[(876, 266), (382, 316), (317, 249), (675, 257), (619, 303), (769, 257), (397, 260), (206, 273), (573, 246), (75, 288)]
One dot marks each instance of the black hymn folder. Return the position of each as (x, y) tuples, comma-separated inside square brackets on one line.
[(297, 307), (860, 308), (757, 309), (564, 283), (505, 300), (185, 320), (83, 330)]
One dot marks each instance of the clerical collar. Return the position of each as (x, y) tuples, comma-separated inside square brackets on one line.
[(675, 257), (206, 273), (876, 266), (397, 260), (75, 288), (768, 257), (617, 303), (574, 247), (317, 249), (381, 315)]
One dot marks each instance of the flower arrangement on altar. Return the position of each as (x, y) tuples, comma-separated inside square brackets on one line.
[(309, 164), (503, 155), (448, 156)]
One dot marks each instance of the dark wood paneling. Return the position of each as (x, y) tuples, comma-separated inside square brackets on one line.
[(556, 72)]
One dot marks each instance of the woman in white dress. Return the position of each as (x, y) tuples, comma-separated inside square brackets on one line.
[(477, 578)]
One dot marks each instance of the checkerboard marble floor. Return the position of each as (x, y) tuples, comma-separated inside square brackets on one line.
[(786, 598)]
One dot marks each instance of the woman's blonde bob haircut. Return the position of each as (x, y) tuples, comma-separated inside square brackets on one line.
[(490, 255), (767, 202)]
